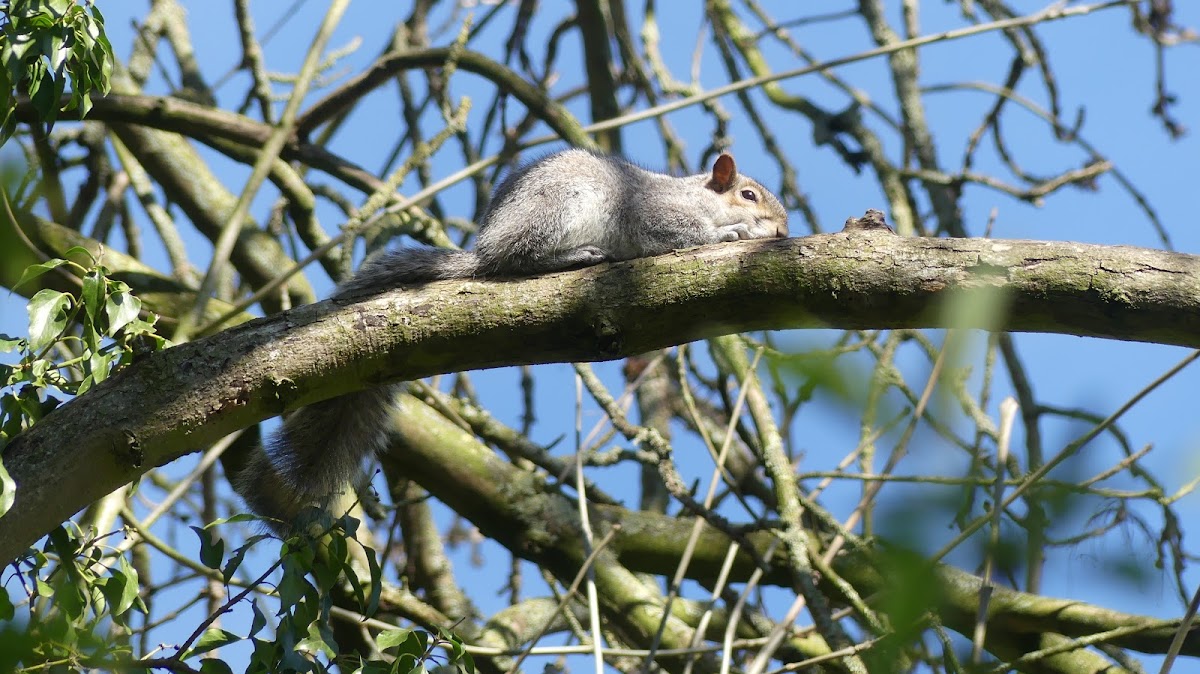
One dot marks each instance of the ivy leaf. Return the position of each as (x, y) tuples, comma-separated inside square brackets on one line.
[(92, 298), (35, 270), (45, 44), (122, 307), (80, 250), (93, 293), (47, 317), (8, 344), (100, 364)]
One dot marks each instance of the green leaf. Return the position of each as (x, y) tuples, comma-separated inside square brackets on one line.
[(391, 638), (238, 518), (40, 21), (8, 494), (315, 642), (122, 307), (414, 645), (80, 250), (111, 589), (129, 595), (7, 611), (9, 376), (9, 126), (8, 344), (38, 370), (99, 365), (43, 97), (20, 50), (93, 294), (35, 270), (211, 639), (214, 666), (259, 621), (212, 550), (58, 52), (56, 93), (376, 583), (85, 384), (375, 667), (291, 588), (106, 64), (458, 652), (69, 599), (60, 7), (47, 317), (235, 560), (328, 568)]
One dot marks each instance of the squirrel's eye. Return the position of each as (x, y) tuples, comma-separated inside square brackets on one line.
[(750, 195)]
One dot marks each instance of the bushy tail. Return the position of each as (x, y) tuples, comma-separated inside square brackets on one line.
[(409, 265), (317, 456)]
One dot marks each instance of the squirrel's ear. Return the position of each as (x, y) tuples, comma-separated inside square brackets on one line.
[(724, 174)]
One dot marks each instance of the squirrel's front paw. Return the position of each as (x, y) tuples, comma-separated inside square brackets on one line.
[(741, 231), (588, 255), (734, 232), (583, 256)]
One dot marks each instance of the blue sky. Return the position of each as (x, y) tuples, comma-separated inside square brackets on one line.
[(1105, 74)]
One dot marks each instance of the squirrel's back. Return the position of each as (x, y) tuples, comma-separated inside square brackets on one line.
[(577, 198)]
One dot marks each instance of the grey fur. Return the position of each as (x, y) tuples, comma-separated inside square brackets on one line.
[(570, 209)]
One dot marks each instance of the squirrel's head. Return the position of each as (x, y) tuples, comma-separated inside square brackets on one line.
[(748, 193)]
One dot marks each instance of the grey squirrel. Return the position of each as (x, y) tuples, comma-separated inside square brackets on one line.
[(571, 209)]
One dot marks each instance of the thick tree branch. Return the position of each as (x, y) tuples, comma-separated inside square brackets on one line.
[(186, 397)]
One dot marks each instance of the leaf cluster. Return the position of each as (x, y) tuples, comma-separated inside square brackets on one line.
[(77, 609), (75, 342), (43, 45), (316, 566)]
